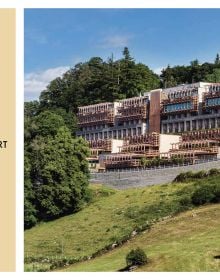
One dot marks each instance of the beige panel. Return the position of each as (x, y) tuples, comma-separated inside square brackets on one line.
[(7, 133)]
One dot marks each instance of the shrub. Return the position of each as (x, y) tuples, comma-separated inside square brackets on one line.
[(200, 174), (136, 257), (216, 193), (214, 171), (204, 194), (185, 201), (183, 176)]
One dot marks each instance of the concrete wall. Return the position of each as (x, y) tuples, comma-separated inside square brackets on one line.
[(135, 179), (166, 140), (116, 145)]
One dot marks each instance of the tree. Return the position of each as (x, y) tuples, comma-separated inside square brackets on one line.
[(194, 63), (61, 174), (47, 123), (214, 77), (56, 170), (168, 77), (31, 108), (97, 81), (44, 124), (217, 59), (136, 257), (195, 71), (30, 212), (126, 54)]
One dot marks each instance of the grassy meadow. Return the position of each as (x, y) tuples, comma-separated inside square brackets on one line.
[(187, 242), (146, 217)]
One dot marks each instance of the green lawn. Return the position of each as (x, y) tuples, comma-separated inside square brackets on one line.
[(112, 217)]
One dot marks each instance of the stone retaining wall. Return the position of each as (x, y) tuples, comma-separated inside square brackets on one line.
[(133, 179)]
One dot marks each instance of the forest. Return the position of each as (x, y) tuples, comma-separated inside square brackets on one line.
[(56, 175)]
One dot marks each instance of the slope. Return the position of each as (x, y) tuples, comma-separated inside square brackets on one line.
[(187, 242), (109, 221)]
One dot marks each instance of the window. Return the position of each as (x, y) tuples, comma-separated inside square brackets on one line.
[(119, 134), (124, 132), (134, 131), (178, 107), (213, 101), (164, 128)]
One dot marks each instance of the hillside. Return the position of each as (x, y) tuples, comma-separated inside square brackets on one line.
[(112, 218), (187, 242)]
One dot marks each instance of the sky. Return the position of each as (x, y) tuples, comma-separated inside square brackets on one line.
[(57, 39)]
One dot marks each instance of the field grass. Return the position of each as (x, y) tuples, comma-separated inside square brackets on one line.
[(111, 217), (187, 242)]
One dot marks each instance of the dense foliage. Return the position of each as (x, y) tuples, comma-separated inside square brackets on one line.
[(195, 72), (97, 81), (56, 170), (136, 257), (206, 194), (189, 175)]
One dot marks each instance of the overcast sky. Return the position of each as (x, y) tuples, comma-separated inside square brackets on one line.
[(57, 39)]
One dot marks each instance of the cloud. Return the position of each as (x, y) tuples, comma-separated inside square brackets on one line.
[(158, 70), (115, 41), (36, 82)]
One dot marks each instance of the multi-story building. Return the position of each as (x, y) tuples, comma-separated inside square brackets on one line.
[(190, 107), (117, 120), (137, 122), (171, 110)]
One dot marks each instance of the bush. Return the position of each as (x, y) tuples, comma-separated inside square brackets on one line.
[(185, 201), (136, 257), (214, 171), (204, 194), (200, 174), (216, 194), (183, 176), (216, 198)]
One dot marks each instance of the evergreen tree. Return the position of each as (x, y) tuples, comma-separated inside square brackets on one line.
[(168, 77), (217, 59), (97, 81), (126, 54)]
